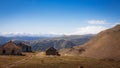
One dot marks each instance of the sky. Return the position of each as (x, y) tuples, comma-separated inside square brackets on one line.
[(68, 17)]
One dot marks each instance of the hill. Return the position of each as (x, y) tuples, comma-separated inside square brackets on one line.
[(106, 44)]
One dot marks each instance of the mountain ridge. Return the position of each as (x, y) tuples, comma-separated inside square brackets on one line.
[(42, 43)]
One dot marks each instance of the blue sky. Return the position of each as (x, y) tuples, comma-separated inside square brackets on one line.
[(58, 16)]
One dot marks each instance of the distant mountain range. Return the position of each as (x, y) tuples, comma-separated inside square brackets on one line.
[(23, 37), (42, 43), (4, 39), (60, 42)]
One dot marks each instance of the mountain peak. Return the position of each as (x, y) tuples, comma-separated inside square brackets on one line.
[(117, 26)]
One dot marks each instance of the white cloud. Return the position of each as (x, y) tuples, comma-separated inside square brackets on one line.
[(89, 30), (97, 22), (11, 34), (79, 31)]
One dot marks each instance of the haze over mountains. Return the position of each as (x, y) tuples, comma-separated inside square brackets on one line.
[(106, 44)]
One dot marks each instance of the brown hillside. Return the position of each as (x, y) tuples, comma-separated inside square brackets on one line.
[(104, 45)]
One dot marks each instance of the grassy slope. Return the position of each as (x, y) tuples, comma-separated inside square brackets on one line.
[(9, 59), (6, 60), (67, 62), (59, 62)]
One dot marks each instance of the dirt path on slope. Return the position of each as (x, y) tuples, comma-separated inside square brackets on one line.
[(40, 55), (18, 62)]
